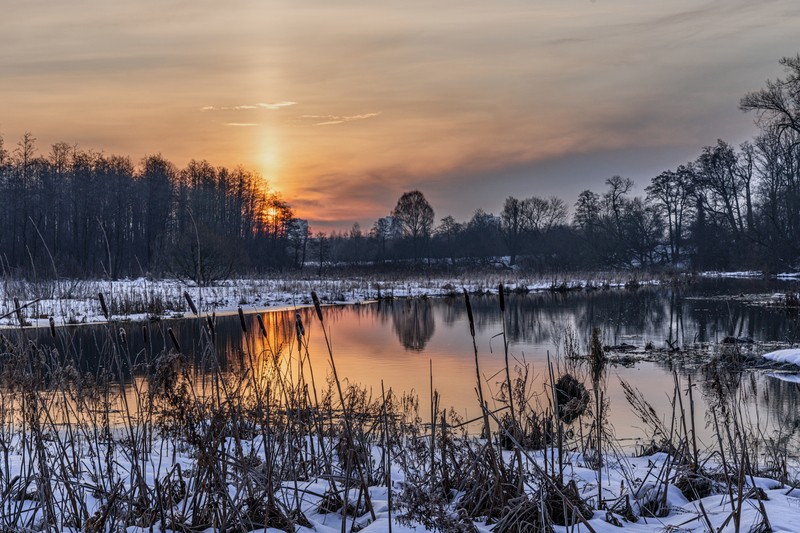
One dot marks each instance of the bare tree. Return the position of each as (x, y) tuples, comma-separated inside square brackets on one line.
[(546, 214), (614, 199), (778, 105), (483, 235), (721, 187), (672, 191), (448, 231), (298, 235), (3, 153), (587, 210), (323, 248), (415, 215), (383, 231), (515, 222)]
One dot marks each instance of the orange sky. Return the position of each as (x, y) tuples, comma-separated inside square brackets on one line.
[(344, 105)]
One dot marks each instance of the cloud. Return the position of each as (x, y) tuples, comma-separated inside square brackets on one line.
[(339, 119), (242, 124), (271, 106), (275, 105)]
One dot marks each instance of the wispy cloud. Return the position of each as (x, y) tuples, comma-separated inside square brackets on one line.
[(271, 106), (242, 124), (275, 105), (329, 120)]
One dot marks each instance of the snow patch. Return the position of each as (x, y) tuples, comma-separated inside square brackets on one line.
[(739, 274), (789, 355)]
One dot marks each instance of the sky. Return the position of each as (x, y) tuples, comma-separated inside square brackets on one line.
[(343, 106)]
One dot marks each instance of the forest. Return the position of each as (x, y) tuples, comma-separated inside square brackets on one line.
[(76, 212)]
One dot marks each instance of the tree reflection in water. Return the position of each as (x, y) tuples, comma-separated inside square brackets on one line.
[(413, 323), (693, 314)]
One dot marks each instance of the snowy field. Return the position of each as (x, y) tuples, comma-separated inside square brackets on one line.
[(77, 302)]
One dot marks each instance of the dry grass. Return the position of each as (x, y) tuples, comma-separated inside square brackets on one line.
[(191, 441)]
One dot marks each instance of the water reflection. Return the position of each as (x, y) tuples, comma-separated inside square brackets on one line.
[(413, 323), (398, 342)]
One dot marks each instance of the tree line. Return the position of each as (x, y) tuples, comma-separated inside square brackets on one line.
[(73, 212), (730, 208)]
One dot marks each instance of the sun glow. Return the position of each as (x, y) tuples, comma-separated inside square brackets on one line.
[(469, 105), (270, 156)]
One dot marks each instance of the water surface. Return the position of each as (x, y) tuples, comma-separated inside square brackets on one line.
[(406, 344)]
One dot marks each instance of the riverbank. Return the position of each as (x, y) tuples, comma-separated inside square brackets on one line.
[(72, 302), (275, 440)]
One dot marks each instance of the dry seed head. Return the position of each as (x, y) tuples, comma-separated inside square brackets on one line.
[(174, 339), (18, 310), (123, 337), (52, 327), (103, 305), (597, 357), (190, 302), (145, 334), (241, 320), (502, 295), (261, 325), (298, 327), (317, 306), (469, 313), (211, 328)]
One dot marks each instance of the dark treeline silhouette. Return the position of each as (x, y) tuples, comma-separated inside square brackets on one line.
[(731, 208), (80, 213)]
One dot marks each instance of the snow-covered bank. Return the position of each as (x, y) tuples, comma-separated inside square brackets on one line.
[(76, 302), (638, 478), (789, 356), (748, 274), (742, 274), (641, 494)]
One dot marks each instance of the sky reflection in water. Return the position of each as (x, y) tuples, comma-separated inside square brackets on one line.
[(400, 342)]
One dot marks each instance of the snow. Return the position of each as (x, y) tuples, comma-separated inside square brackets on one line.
[(635, 476), (789, 355), (71, 302), (783, 376), (748, 274), (738, 274)]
